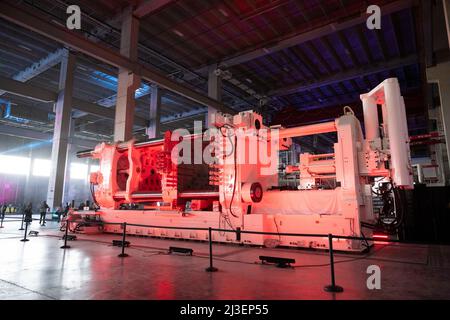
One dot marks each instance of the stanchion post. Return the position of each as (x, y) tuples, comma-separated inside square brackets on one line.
[(238, 233), (1, 223), (124, 234), (211, 268), (21, 225), (332, 287), (65, 246), (25, 233)]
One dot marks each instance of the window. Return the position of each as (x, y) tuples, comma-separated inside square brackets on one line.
[(42, 167), (14, 165), (94, 168), (78, 171)]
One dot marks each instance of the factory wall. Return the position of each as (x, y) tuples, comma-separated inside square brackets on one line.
[(22, 187)]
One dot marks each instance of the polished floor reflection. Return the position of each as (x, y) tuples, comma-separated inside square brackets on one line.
[(90, 269)]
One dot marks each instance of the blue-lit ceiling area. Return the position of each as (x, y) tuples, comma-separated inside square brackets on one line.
[(283, 52)]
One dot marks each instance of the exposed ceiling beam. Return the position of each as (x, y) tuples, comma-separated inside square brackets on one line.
[(183, 115), (347, 75), (151, 6), (38, 67), (35, 93), (42, 136), (44, 95), (26, 90), (77, 42), (295, 39)]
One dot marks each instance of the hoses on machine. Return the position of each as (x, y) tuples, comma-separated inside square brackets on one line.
[(233, 152), (396, 209), (235, 178), (94, 199), (393, 211)]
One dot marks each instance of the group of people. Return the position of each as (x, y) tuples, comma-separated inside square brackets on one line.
[(7, 208), (43, 210), (4, 207)]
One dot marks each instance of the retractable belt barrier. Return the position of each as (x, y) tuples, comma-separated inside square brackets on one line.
[(123, 243)]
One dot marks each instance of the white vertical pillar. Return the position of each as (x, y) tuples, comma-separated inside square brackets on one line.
[(26, 190), (70, 153), (128, 82), (214, 89), (398, 133), (63, 110), (370, 111), (155, 112)]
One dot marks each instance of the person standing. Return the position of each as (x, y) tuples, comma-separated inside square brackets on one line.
[(28, 211), (66, 210), (59, 212), (43, 211), (81, 206), (3, 211)]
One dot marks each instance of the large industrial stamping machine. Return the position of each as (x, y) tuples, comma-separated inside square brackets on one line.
[(228, 178)]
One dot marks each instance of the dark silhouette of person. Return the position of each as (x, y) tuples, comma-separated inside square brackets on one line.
[(43, 211), (81, 206), (59, 212), (3, 211), (28, 211), (66, 210)]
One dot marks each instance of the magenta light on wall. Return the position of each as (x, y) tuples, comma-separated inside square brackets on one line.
[(7, 192)]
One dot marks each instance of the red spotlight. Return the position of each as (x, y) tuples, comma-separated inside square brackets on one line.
[(380, 236)]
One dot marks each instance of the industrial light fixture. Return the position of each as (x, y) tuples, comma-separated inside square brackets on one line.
[(187, 251), (280, 262), (178, 33), (223, 12), (380, 236), (24, 47), (58, 23)]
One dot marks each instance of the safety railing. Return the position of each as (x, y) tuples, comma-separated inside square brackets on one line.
[(211, 268)]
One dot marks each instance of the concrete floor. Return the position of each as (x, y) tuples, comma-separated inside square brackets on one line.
[(39, 269)]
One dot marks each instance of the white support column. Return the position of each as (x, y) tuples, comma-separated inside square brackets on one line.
[(63, 110), (214, 89), (440, 74), (370, 111), (398, 133), (128, 82), (70, 155), (155, 112), (27, 180)]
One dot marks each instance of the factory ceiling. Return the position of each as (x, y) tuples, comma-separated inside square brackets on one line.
[(301, 58)]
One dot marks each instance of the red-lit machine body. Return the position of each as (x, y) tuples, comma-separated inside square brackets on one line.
[(232, 182)]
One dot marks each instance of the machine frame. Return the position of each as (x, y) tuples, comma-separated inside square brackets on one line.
[(148, 182)]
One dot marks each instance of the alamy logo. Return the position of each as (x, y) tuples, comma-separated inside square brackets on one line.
[(228, 145), (74, 20), (374, 20), (374, 280)]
